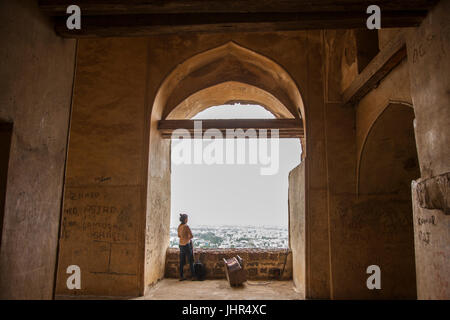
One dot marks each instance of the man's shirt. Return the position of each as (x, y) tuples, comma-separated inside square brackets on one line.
[(185, 234)]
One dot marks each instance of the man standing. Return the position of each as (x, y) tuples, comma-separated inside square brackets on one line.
[(185, 235)]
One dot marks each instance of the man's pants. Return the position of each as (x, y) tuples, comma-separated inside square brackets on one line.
[(186, 252)]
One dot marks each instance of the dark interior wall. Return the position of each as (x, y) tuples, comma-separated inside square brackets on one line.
[(5, 144), (36, 75)]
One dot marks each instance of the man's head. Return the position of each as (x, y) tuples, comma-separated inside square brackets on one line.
[(183, 218)]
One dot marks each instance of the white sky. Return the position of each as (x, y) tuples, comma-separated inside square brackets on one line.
[(234, 194)]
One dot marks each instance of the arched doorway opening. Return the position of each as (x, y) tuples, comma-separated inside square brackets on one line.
[(226, 74), (232, 195)]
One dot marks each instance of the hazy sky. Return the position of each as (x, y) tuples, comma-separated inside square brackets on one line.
[(233, 194)]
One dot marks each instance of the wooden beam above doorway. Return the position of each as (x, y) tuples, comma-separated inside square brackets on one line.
[(288, 128), (113, 7), (120, 18)]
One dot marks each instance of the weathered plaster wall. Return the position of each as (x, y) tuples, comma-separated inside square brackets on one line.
[(428, 51), (103, 220), (297, 225), (431, 240), (318, 269), (339, 165), (36, 75), (157, 233), (270, 264)]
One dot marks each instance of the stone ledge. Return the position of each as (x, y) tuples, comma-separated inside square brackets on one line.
[(261, 264)]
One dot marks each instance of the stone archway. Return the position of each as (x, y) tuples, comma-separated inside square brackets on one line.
[(222, 74), (229, 62), (115, 218)]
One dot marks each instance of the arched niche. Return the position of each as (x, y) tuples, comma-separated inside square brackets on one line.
[(382, 219), (388, 161)]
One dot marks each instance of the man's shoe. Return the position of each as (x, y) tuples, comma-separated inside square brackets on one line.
[(182, 279)]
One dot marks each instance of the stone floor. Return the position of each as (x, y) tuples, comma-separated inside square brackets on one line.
[(172, 289)]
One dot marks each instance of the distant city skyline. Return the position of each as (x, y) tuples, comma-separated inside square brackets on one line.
[(235, 237), (233, 194)]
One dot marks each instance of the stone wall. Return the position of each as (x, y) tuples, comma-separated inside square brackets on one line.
[(103, 219), (36, 77), (270, 264), (297, 230), (338, 165), (428, 60)]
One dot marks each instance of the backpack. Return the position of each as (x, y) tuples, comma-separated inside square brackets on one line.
[(199, 268)]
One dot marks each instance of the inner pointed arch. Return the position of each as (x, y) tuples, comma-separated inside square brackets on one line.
[(226, 93)]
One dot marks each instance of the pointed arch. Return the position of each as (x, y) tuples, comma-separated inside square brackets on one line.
[(228, 93), (392, 127), (228, 63)]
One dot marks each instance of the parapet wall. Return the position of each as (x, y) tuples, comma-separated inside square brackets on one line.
[(261, 264)]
